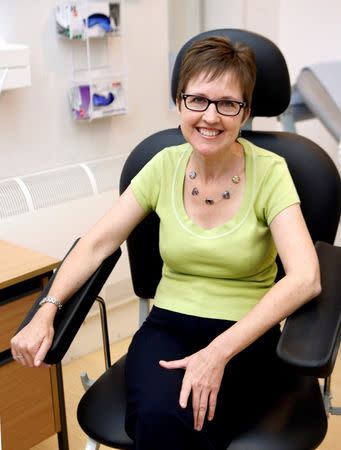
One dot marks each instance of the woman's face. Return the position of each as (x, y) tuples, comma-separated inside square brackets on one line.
[(209, 132)]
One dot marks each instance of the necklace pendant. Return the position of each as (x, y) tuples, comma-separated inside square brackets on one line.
[(226, 195), (195, 191), (209, 201), (192, 174), (236, 179)]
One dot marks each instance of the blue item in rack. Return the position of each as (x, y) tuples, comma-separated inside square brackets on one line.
[(102, 100), (99, 19)]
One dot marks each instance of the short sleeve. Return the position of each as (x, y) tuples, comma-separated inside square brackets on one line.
[(146, 184), (279, 190)]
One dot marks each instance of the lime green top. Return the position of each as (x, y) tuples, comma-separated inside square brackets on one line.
[(224, 271)]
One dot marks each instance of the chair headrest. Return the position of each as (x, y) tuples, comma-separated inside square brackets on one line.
[(271, 95)]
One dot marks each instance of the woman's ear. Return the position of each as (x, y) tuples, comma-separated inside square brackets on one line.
[(246, 115)]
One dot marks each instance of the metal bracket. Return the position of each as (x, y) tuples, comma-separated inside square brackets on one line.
[(91, 445), (327, 398), (86, 381)]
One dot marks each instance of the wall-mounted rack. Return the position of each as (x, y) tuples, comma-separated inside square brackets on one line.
[(98, 83), (82, 19)]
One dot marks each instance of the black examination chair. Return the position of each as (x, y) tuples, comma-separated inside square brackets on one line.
[(311, 336)]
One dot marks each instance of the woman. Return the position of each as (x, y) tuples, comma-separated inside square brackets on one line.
[(226, 208)]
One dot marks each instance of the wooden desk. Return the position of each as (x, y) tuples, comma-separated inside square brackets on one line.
[(31, 400)]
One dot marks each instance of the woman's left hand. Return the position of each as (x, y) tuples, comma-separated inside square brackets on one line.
[(203, 374)]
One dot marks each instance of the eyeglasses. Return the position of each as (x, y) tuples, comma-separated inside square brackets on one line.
[(224, 107)]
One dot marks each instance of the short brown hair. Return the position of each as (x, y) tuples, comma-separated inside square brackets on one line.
[(215, 56)]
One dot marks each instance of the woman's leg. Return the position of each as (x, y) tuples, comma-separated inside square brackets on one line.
[(253, 382), (155, 420)]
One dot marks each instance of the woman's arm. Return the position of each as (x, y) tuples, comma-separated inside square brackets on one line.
[(204, 369), (34, 340), (300, 284)]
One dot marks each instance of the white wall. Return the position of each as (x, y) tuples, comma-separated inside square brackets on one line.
[(222, 14), (36, 127), (37, 131), (184, 21), (310, 32), (307, 33)]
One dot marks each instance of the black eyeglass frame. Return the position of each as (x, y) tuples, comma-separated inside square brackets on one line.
[(215, 102)]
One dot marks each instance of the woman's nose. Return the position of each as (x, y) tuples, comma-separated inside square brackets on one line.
[(211, 113)]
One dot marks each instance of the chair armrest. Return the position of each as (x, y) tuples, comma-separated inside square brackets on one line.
[(69, 319), (311, 336)]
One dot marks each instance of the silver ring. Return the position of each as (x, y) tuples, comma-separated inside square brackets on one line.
[(19, 357)]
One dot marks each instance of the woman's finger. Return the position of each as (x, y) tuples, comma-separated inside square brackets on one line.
[(18, 353), (27, 358), (212, 405), (175, 364), (41, 353), (31, 351), (19, 358), (185, 392), (201, 413), (196, 393)]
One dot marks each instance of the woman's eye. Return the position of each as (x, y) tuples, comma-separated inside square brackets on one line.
[(227, 104), (198, 100)]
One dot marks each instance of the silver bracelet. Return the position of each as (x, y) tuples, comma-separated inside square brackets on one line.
[(53, 300)]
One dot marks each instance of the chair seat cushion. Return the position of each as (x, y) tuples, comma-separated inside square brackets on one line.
[(296, 422)]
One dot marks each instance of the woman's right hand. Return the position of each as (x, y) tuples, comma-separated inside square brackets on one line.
[(30, 345)]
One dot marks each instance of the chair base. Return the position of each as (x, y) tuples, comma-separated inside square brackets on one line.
[(92, 445)]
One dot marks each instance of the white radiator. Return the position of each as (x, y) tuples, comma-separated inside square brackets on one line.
[(31, 192), (47, 211)]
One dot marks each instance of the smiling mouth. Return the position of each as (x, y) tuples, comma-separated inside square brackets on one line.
[(208, 133)]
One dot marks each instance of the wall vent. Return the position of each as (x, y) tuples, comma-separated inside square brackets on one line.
[(12, 199), (45, 189), (107, 172), (53, 187)]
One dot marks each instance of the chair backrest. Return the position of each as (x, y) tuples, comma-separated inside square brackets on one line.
[(314, 174), (271, 95)]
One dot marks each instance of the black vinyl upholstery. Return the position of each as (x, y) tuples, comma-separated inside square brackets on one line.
[(319, 320), (296, 422), (101, 411), (68, 321), (311, 336)]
